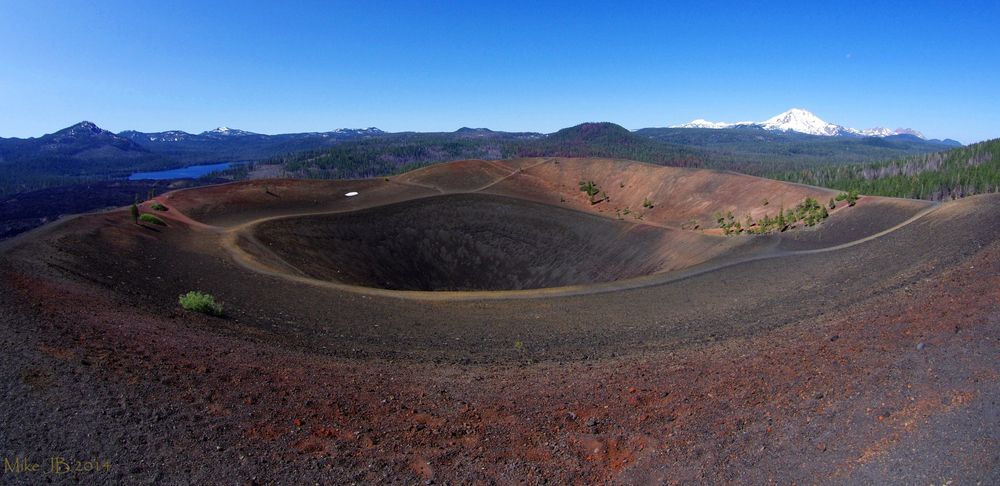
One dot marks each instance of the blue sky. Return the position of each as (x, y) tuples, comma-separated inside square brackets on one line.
[(533, 66)]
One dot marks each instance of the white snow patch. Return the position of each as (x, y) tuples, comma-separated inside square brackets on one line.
[(700, 123), (351, 194)]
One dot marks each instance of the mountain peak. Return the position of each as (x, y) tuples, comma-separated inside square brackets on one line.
[(592, 131), (87, 125), (802, 121), (702, 123), (878, 132), (910, 131), (84, 127), (228, 132), (358, 131)]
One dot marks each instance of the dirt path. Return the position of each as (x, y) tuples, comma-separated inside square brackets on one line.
[(871, 359), (244, 233)]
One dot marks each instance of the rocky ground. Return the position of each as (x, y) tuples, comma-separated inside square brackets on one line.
[(871, 363)]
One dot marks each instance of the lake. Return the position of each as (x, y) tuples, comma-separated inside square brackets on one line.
[(192, 172)]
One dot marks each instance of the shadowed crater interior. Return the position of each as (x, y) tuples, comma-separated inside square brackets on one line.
[(465, 242)]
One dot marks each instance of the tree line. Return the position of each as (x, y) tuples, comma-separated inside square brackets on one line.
[(956, 173)]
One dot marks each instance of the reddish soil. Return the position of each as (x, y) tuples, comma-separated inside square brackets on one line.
[(875, 362)]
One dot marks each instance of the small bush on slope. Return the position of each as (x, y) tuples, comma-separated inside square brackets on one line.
[(200, 302)]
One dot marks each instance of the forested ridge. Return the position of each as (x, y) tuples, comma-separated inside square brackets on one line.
[(403, 152), (959, 172)]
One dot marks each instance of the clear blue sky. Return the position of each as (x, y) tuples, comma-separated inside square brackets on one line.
[(280, 67)]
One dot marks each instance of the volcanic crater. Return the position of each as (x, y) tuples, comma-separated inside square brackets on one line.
[(497, 226), (465, 242), (487, 322)]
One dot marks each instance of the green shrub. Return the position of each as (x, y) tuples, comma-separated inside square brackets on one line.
[(149, 218), (157, 206), (852, 197), (646, 203), (200, 302), (728, 223), (809, 211), (591, 189)]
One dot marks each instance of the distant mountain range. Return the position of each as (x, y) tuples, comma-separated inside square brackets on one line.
[(803, 121), (78, 150), (93, 147), (225, 144), (85, 152), (225, 133), (751, 150)]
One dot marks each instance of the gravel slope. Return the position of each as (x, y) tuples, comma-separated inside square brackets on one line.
[(876, 363)]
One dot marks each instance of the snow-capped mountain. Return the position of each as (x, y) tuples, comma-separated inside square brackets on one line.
[(88, 134), (225, 133), (699, 123), (803, 121), (73, 149), (910, 131), (168, 136), (228, 132), (878, 132), (83, 127), (359, 131)]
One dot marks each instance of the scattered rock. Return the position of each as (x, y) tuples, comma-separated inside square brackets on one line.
[(921, 346)]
